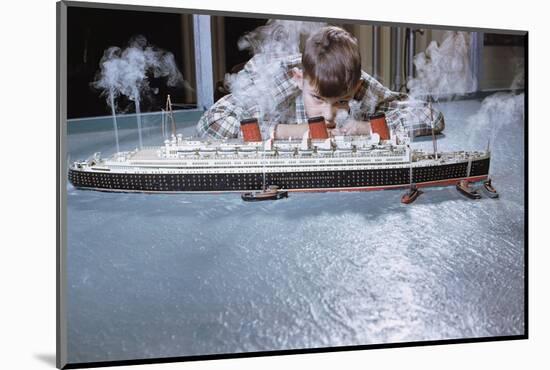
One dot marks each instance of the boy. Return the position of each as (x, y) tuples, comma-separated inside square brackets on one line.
[(325, 80)]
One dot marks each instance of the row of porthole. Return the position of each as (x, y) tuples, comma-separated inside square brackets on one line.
[(423, 174), (132, 182), (240, 184), (378, 176), (449, 173)]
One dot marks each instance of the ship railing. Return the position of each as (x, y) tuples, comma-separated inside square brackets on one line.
[(289, 155)]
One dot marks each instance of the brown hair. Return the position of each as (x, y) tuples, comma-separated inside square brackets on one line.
[(332, 62)]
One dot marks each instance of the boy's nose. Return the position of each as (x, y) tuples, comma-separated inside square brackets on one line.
[(328, 113)]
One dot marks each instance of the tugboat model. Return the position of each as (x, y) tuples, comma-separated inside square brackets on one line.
[(315, 162)]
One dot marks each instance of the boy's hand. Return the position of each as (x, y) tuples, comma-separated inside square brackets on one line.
[(352, 127), (330, 125)]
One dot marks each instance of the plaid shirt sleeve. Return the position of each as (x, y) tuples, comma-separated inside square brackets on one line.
[(223, 119), (274, 83), (413, 116)]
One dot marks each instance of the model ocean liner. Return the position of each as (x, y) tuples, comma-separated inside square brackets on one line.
[(316, 162)]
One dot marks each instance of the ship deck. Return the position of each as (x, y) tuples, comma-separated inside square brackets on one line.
[(145, 154), (151, 153)]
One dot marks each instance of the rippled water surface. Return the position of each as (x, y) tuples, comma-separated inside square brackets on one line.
[(177, 275)]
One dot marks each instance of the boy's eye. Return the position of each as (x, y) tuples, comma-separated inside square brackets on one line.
[(342, 102), (317, 97)]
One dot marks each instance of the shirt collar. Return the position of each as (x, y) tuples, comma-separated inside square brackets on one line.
[(360, 94)]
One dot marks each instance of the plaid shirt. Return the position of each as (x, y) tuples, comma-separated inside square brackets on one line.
[(276, 86)]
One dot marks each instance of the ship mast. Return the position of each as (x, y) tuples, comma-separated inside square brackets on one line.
[(410, 165), (434, 140), (263, 170), (263, 184), (162, 122), (169, 109)]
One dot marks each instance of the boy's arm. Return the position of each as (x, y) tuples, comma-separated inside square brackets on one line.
[(416, 117), (223, 119)]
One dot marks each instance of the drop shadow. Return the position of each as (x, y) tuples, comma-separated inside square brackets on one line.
[(47, 358)]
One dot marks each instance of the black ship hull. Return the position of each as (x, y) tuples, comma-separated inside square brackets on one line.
[(341, 180)]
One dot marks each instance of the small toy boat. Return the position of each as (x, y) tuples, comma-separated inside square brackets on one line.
[(271, 193), (489, 189), (464, 187), (411, 195)]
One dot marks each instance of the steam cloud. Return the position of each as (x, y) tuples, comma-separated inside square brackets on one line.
[(125, 72), (269, 43), (278, 37), (497, 112), (443, 70)]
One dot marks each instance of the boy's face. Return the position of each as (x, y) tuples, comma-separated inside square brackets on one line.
[(317, 105)]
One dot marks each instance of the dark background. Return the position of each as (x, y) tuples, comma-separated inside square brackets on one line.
[(92, 31), (234, 29)]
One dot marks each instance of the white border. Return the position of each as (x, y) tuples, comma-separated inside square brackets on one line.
[(28, 193)]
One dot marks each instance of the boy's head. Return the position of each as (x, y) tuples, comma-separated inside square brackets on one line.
[(331, 72)]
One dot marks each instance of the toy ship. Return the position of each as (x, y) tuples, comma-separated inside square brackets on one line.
[(270, 193), (411, 195), (464, 187), (489, 189), (316, 162)]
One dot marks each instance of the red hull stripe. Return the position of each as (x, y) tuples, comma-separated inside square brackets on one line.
[(446, 182)]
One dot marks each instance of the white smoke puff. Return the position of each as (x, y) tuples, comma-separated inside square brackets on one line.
[(443, 70), (126, 71), (367, 105), (270, 44), (255, 95), (278, 37), (109, 81), (133, 76), (170, 70), (497, 112), (342, 117)]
